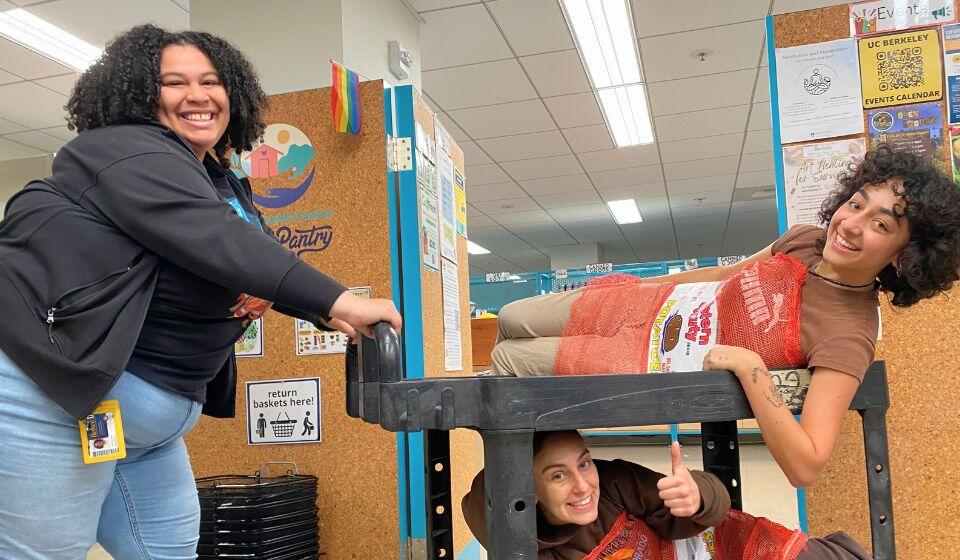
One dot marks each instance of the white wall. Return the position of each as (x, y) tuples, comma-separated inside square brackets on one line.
[(573, 256), (289, 43), (368, 26), (16, 173)]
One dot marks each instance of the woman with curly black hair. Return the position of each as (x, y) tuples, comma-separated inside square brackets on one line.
[(124, 280), (808, 300)]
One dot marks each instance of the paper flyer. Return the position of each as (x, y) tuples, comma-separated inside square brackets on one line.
[(313, 341), (819, 91), (902, 68), (951, 69), (452, 346), (429, 213), (810, 174), (460, 199), (448, 210), (955, 151), (250, 343), (916, 129)]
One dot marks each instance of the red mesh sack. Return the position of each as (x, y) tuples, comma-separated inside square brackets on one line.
[(744, 537), (631, 539)]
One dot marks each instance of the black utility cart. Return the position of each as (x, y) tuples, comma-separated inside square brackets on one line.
[(507, 410)]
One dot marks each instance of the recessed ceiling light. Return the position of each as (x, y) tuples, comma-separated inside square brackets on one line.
[(475, 249), (46, 39), (625, 211)]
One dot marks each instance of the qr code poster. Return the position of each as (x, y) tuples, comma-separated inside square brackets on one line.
[(313, 341), (900, 69)]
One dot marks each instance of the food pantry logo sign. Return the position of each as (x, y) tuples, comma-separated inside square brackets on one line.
[(283, 411)]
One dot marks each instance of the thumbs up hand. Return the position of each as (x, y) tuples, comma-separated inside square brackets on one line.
[(679, 491)]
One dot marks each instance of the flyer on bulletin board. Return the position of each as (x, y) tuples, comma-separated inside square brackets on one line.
[(810, 174), (955, 151), (448, 211), (452, 345), (917, 129), (881, 16), (429, 213), (900, 69), (313, 341), (460, 199), (951, 69), (250, 343), (819, 91)]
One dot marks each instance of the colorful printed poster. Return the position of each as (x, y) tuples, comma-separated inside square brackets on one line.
[(913, 128), (902, 68), (819, 91), (448, 210), (452, 345), (460, 199), (810, 174), (955, 151), (250, 343), (429, 213), (685, 329), (313, 341), (880, 16), (951, 69)]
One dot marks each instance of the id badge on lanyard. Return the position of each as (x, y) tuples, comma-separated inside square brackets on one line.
[(101, 434)]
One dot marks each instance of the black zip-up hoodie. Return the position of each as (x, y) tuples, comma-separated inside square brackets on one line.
[(79, 255)]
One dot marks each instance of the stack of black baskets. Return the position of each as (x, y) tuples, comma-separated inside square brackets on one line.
[(261, 517)]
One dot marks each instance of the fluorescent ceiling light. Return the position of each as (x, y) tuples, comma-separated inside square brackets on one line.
[(625, 108), (625, 211), (475, 249), (46, 39), (604, 34)]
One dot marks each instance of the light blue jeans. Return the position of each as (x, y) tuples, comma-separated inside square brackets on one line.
[(55, 507)]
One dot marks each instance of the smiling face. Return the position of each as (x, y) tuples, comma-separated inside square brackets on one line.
[(193, 101), (566, 480), (867, 233)]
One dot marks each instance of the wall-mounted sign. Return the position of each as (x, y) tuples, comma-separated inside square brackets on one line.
[(900, 69), (881, 16), (283, 411)]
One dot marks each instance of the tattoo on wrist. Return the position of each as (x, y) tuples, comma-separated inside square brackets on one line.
[(753, 374)]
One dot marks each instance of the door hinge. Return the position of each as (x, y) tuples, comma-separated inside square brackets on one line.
[(399, 154)]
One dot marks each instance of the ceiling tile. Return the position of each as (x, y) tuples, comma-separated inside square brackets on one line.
[(480, 222), (514, 218), (60, 84), (641, 193), (702, 184), (701, 210), (481, 234), (620, 158), (758, 141), (471, 211), (495, 208), (579, 109), (596, 234), (12, 150), (698, 124), (547, 238), (582, 211), (769, 206), (646, 230), (504, 119), (525, 146), (532, 26), (495, 191), (588, 221), (589, 138), (701, 168), (759, 117), (8, 78), (485, 174), (627, 177), (44, 110), (557, 185), (736, 46), (424, 5), (27, 64), (701, 198), (469, 86), (787, 6), (492, 262), (699, 148), (6, 127), (458, 36), (455, 131), (434, 106), (686, 95), (525, 228), (656, 17), (98, 21), (563, 200), (38, 140), (756, 179), (762, 91), (761, 161), (472, 154), (543, 167), (556, 73)]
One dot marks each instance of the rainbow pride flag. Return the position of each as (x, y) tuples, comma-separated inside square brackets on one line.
[(345, 100)]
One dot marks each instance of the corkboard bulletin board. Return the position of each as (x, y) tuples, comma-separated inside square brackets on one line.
[(922, 422), (356, 463)]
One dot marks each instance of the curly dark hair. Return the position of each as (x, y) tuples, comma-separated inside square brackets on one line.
[(123, 86), (930, 262)]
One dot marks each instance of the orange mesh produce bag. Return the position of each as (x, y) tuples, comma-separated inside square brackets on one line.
[(620, 325), (631, 539), (744, 537)]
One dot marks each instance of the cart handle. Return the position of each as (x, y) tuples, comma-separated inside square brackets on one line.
[(264, 468)]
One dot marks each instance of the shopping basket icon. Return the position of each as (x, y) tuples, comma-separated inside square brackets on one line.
[(283, 428)]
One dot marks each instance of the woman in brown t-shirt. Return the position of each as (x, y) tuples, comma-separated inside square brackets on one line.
[(893, 225)]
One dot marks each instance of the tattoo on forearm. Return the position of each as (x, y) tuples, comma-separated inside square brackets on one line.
[(753, 374), (773, 396)]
